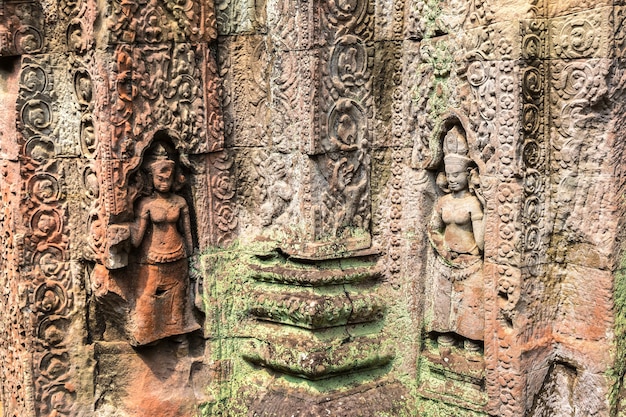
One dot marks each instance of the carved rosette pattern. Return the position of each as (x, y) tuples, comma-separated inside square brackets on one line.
[(398, 152), (21, 28), (394, 251), (503, 225), (45, 245), (534, 162)]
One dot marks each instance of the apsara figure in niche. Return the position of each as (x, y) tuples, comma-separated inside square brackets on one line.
[(162, 232), (456, 232)]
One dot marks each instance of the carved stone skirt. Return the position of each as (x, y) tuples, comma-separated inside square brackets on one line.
[(456, 298), (162, 305)]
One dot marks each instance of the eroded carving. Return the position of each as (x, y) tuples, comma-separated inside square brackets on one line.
[(456, 232), (21, 28), (162, 232)]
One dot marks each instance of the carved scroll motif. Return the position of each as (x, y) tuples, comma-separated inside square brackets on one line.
[(45, 247), (21, 28), (341, 135), (533, 148), (577, 110)]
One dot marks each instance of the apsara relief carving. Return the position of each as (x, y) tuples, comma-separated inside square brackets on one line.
[(456, 231), (358, 207), (162, 234)]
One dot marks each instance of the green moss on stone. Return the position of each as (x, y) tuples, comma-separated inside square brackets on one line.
[(616, 375)]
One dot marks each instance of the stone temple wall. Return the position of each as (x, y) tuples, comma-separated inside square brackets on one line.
[(314, 207)]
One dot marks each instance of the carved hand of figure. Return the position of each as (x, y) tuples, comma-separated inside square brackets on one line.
[(474, 184), (435, 235)]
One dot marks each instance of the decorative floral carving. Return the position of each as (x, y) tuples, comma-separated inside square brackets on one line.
[(45, 246), (577, 37), (223, 210), (162, 21), (21, 28)]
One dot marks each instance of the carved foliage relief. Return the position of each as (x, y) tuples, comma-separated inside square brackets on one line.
[(21, 28), (45, 255), (160, 22), (343, 124), (304, 116)]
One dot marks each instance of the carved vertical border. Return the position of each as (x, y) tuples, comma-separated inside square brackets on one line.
[(533, 152), (338, 134), (16, 369), (503, 196), (222, 190), (44, 256), (534, 162), (398, 150), (617, 95)]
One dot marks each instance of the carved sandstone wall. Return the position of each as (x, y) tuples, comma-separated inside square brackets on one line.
[(348, 208)]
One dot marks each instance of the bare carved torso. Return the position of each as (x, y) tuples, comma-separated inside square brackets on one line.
[(458, 215), (164, 242)]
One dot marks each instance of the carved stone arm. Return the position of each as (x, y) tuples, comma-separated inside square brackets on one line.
[(118, 237), (186, 225), (478, 227), (435, 229)]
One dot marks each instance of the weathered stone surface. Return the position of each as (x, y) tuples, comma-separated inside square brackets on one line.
[(277, 208)]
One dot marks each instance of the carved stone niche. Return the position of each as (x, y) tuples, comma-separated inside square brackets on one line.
[(455, 316), (146, 298)]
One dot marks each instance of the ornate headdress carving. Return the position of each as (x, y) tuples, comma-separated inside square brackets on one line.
[(455, 149), (159, 158)]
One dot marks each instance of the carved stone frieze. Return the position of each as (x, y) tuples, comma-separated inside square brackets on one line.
[(160, 22), (49, 275), (21, 28), (277, 208)]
